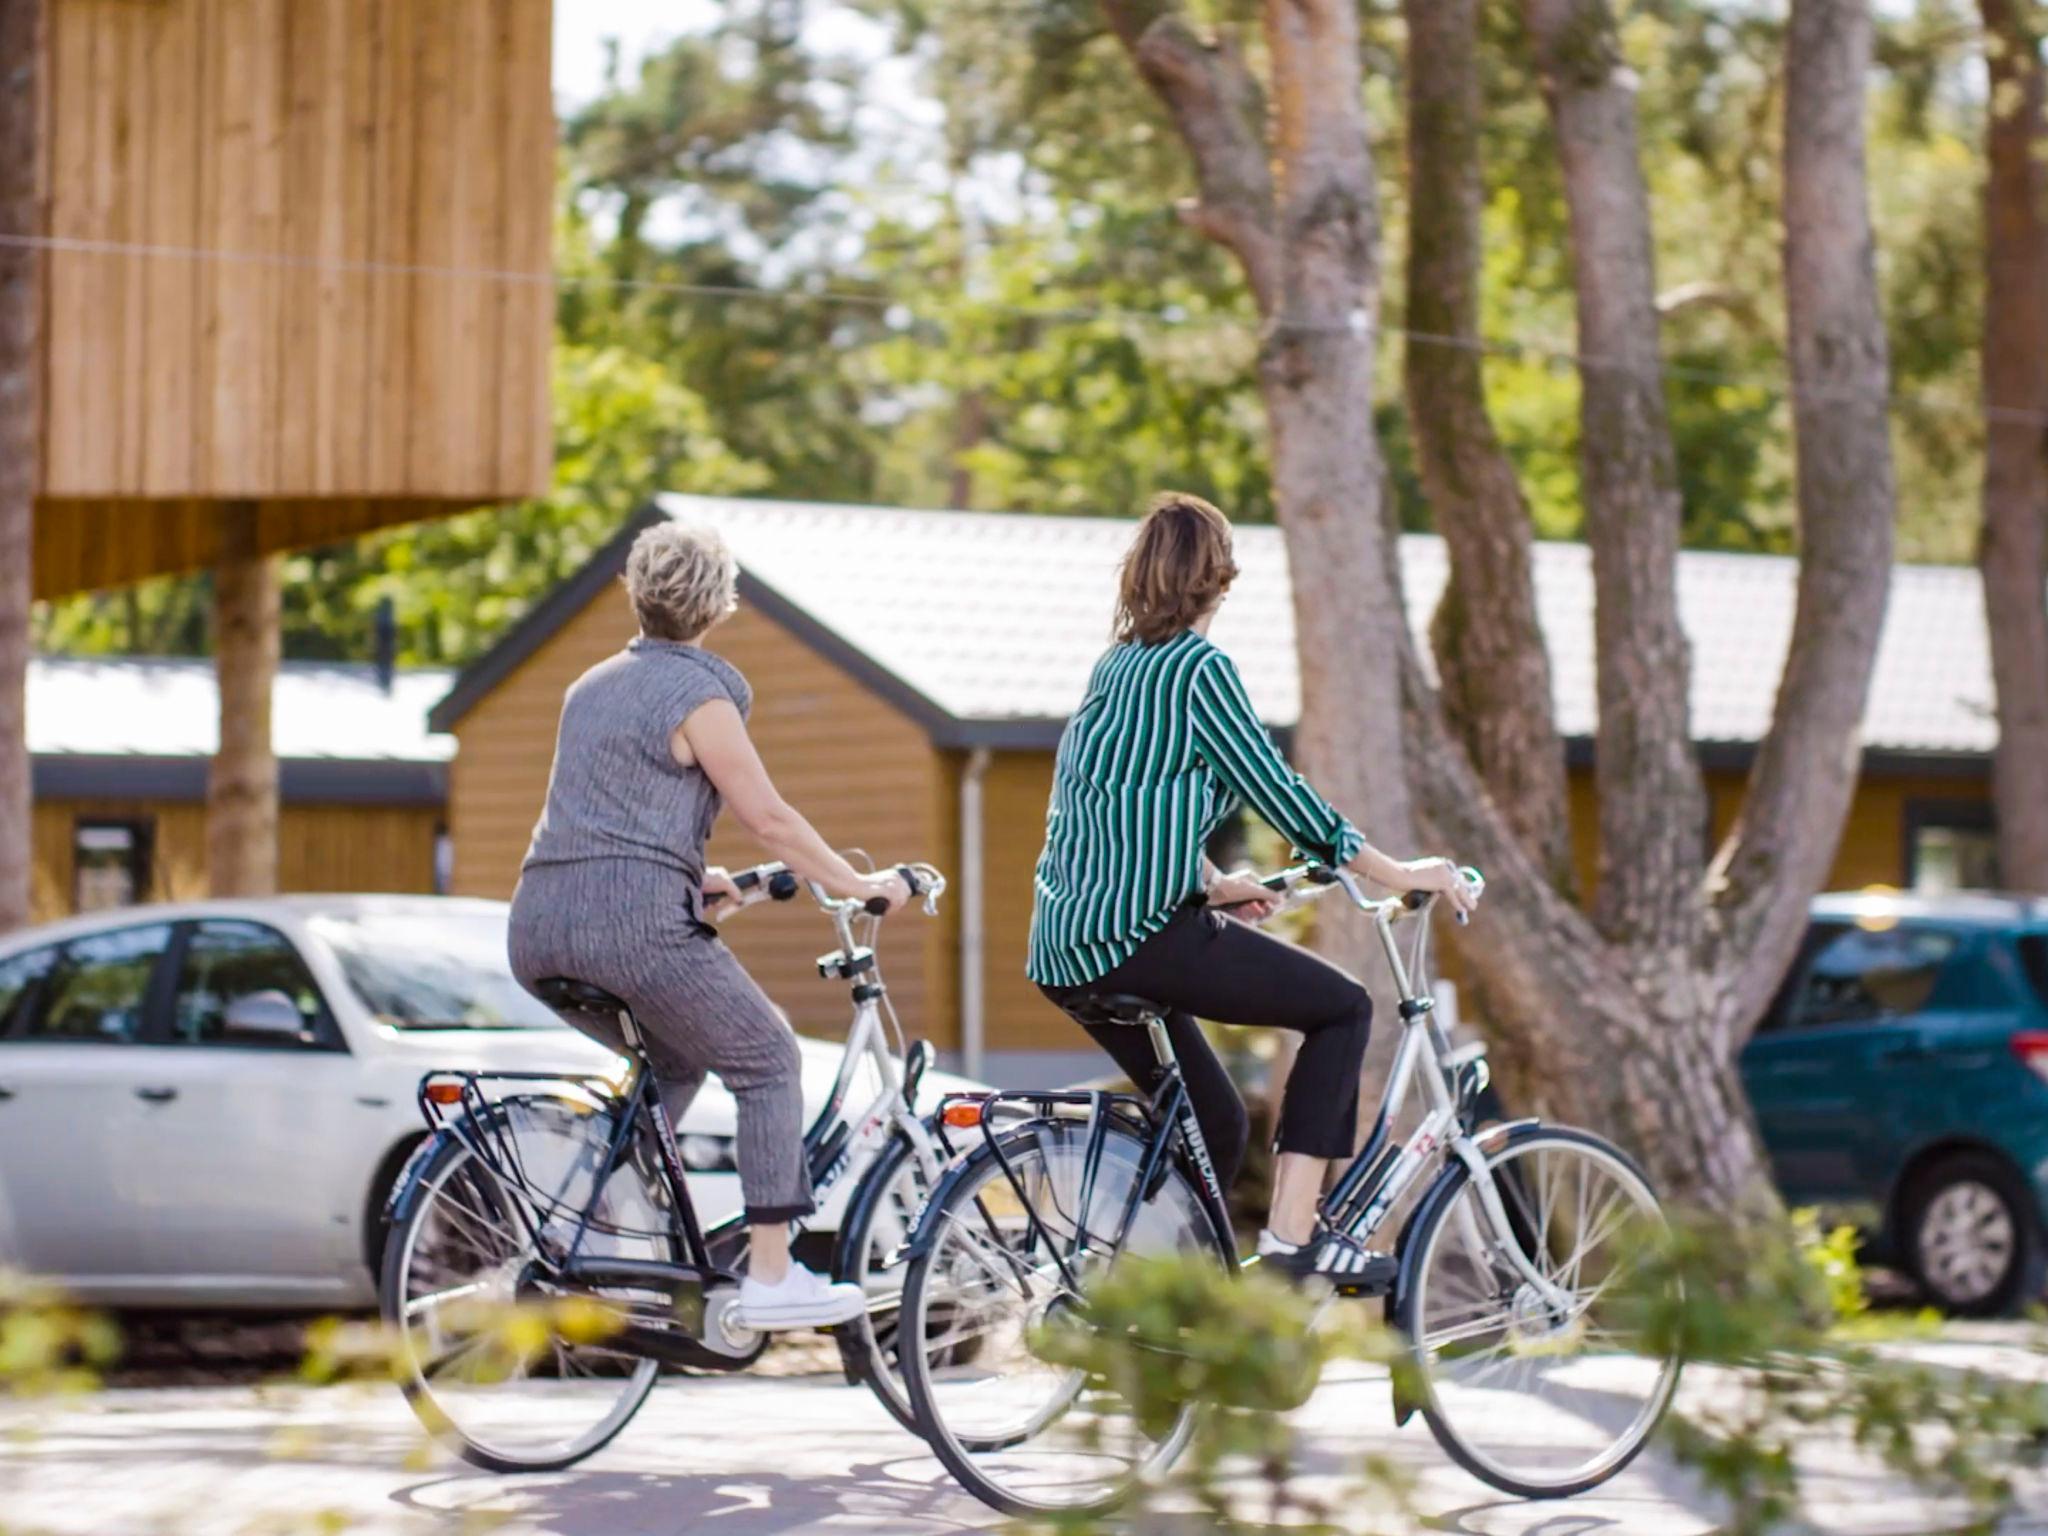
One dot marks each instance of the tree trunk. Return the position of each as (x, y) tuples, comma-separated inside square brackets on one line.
[(241, 790), (1493, 667), (2013, 555), (1784, 841), (1652, 800), (21, 67)]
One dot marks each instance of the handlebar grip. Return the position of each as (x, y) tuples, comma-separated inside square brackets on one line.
[(1415, 901), (747, 879), (876, 906), (782, 885), (1322, 874)]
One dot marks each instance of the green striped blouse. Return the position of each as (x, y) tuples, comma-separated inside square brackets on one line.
[(1164, 746)]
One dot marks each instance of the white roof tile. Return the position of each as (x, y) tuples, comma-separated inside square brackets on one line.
[(999, 616)]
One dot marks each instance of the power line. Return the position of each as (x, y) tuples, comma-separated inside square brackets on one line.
[(1170, 318)]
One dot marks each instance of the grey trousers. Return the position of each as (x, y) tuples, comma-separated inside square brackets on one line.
[(632, 928)]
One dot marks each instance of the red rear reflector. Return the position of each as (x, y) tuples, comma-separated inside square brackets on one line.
[(444, 1093), (962, 1115), (2031, 1046)]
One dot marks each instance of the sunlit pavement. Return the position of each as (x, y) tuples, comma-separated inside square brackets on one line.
[(748, 1456)]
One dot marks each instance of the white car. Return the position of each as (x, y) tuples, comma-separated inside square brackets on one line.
[(206, 1103)]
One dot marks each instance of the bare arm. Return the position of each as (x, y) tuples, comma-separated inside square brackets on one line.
[(714, 738)]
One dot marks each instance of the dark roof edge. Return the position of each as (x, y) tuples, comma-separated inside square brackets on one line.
[(540, 623), (300, 780), (570, 598)]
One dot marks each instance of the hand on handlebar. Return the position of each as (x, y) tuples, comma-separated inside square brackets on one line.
[(1244, 895), (1438, 877), (882, 892), (719, 886)]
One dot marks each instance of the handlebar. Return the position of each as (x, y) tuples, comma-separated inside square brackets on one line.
[(778, 882), (1306, 882)]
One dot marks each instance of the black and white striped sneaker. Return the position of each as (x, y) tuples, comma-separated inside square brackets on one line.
[(1350, 1267)]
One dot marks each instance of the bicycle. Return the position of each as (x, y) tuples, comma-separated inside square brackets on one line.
[(1503, 1283), (545, 1259)]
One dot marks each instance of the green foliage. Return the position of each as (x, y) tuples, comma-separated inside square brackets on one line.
[(48, 1345), (1246, 1349)]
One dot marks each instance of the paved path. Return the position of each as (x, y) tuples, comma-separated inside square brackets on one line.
[(731, 1456)]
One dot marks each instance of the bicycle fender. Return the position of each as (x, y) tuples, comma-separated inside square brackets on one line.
[(925, 1232), (1443, 1189), (874, 1181), (398, 1203)]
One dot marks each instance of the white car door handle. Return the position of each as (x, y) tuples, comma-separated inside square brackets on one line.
[(156, 1095)]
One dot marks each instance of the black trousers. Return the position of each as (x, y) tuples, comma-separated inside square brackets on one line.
[(1215, 967)]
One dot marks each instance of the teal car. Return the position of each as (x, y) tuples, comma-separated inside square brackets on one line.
[(1900, 1080)]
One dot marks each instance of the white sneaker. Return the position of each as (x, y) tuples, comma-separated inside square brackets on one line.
[(800, 1299)]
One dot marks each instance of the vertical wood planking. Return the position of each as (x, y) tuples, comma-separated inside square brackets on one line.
[(170, 337), (434, 221), (69, 367), (263, 153), (387, 405), (298, 404), (341, 458)]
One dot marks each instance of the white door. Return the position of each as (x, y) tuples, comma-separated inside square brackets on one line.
[(254, 1174), (73, 1128)]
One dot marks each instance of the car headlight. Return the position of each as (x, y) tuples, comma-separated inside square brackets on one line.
[(708, 1154)]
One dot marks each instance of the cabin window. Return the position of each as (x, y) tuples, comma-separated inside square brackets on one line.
[(110, 862), (1951, 845)]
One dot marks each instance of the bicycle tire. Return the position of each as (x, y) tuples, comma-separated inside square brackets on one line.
[(867, 1346), (429, 1170), (1419, 1244), (956, 1450)]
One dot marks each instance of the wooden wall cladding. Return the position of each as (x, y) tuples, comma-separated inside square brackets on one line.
[(343, 209)]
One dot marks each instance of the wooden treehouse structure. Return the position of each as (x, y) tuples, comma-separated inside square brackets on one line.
[(296, 287)]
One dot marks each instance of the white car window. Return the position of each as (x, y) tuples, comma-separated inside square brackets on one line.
[(226, 961), (99, 987), (421, 970)]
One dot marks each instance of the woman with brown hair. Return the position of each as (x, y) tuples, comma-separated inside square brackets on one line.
[(1163, 746)]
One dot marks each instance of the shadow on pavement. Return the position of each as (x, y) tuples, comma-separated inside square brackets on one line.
[(910, 1495)]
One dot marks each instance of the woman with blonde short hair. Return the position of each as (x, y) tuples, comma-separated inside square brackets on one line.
[(1164, 745), (652, 742)]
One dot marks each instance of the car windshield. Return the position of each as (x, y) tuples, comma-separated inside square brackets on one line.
[(432, 970)]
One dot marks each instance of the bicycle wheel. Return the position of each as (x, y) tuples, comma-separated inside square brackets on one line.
[(870, 1254), (513, 1373), (1541, 1391), (1023, 1434)]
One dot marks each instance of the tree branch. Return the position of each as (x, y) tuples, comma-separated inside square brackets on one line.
[(1218, 109), (1652, 798), (1490, 651), (1783, 843)]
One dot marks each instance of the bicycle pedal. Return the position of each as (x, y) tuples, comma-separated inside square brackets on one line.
[(1374, 1277), (1354, 1270)]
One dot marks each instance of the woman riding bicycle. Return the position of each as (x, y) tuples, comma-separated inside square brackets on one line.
[(1163, 746), (614, 890)]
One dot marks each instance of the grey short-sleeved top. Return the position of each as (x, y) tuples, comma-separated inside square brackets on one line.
[(616, 791)]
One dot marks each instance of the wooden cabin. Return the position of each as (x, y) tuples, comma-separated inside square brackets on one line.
[(118, 755), (912, 672)]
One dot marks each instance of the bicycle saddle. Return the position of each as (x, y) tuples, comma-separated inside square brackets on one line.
[(566, 995), (1116, 1008)]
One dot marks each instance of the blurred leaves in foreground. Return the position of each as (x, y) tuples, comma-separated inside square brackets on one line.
[(48, 1345)]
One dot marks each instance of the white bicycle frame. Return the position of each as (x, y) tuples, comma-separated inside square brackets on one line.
[(875, 1037), (1424, 1052)]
